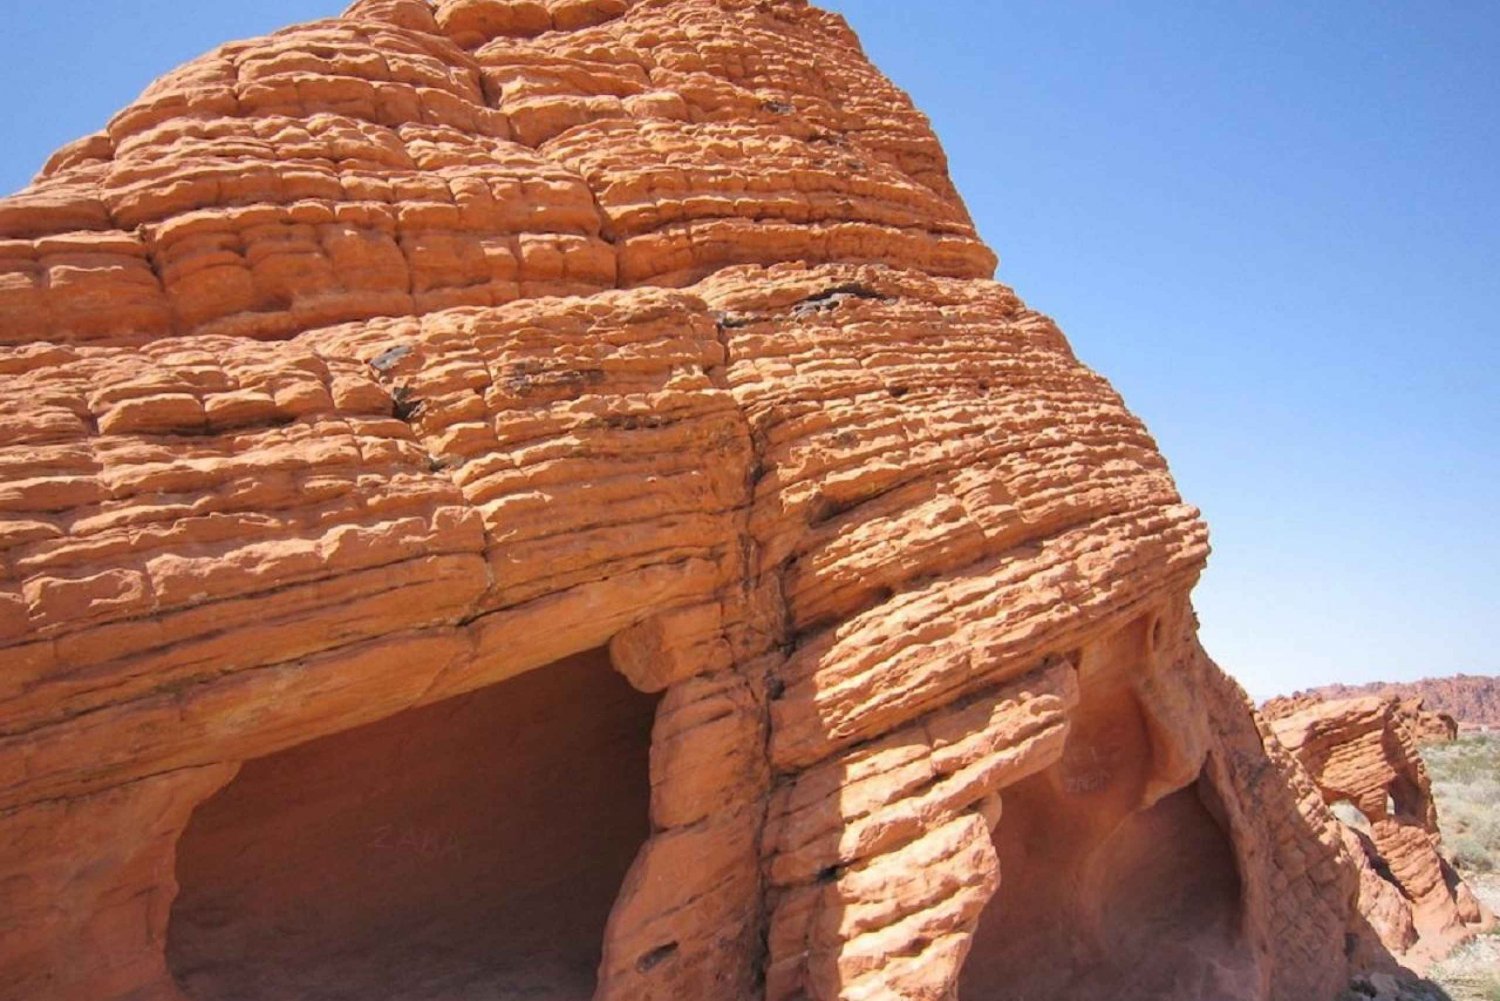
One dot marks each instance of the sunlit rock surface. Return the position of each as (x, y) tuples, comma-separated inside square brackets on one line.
[(545, 499), (1363, 753)]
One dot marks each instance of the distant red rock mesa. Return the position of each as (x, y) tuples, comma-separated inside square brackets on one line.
[(504, 498)]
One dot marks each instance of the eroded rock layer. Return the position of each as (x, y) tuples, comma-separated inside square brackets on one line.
[(354, 372), (1362, 753), (1426, 725), (1470, 700)]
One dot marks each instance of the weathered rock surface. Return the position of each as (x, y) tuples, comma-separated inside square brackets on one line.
[(354, 372), (1469, 699), (1428, 726), (1424, 724), (1363, 753)]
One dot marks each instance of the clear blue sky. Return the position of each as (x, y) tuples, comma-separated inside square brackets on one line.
[(1274, 225)]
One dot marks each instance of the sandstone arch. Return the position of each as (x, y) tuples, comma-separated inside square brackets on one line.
[(1363, 752)]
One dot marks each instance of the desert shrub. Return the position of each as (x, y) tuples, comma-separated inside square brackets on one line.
[(1486, 791), (1468, 853), (1466, 785)]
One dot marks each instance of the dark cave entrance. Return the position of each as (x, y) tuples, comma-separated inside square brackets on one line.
[(1100, 899), (464, 850)]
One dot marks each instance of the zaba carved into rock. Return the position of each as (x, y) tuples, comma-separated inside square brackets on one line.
[(518, 498)]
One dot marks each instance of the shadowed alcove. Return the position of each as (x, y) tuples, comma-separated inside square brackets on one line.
[(464, 850), (1101, 898)]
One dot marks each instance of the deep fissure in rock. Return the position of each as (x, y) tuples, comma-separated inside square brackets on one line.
[(468, 849)]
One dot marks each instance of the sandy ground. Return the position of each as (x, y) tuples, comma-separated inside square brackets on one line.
[(1472, 973)]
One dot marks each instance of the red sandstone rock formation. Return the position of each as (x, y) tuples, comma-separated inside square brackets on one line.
[(1425, 725), (544, 497), (1470, 700), (1363, 752)]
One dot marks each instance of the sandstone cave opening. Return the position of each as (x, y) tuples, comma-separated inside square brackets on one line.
[(468, 849), (1099, 898)]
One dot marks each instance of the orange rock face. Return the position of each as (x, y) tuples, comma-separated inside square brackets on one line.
[(503, 497), (1426, 725), (1363, 753)]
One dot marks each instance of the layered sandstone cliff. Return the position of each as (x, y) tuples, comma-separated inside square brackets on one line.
[(544, 499)]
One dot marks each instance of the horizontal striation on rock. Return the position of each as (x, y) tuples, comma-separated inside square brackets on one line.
[(260, 505), (374, 363), (1363, 753), (372, 166)]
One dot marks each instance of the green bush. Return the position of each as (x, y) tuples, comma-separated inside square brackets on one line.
[(1466, 785), (1469, 854)]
